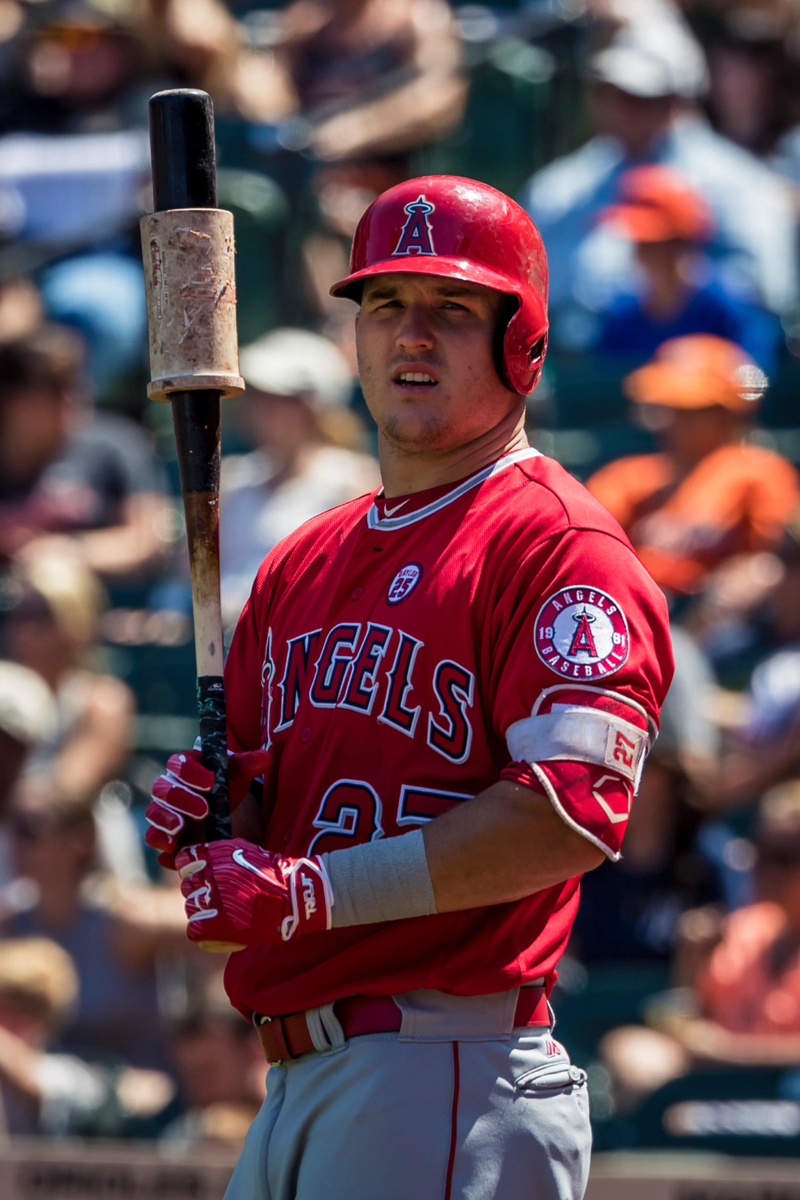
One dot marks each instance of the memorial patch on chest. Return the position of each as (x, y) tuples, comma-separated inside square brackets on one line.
[(404, 583), (582, 632)]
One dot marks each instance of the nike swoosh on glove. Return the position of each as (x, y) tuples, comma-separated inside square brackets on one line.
[(177, 811), (236, 892)]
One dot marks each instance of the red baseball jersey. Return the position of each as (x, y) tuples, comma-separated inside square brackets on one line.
[(397, 656)]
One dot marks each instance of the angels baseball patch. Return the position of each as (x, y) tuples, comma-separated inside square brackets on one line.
[(582, 633)]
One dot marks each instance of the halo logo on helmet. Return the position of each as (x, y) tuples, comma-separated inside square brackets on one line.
[(416, 234)]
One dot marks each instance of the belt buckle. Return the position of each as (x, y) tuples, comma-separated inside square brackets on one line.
[(260, 1021)]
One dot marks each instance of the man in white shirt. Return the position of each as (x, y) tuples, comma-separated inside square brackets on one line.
[(646, 82), (294, 410)]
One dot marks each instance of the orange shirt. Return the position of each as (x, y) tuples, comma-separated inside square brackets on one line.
[(738, 989), (736, 499)]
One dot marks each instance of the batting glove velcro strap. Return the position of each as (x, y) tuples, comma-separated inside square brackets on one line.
[(237, 892)]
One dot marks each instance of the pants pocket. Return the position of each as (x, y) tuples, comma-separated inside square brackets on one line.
[(549, 1077)]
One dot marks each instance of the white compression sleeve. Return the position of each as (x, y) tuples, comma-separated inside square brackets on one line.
[(386, 880)]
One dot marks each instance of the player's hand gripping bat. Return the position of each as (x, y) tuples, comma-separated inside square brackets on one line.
[(188, 255)]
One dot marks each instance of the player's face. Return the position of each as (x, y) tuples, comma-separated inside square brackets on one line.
[(425, 356)]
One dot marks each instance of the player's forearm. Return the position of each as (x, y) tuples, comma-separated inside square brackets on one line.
[(18, 1067), (505, 844), (710, 1042), (749, 772), (420, 109), (130, 547), (100, 744)]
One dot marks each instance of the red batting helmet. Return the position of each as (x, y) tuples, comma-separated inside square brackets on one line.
[(461, 229)]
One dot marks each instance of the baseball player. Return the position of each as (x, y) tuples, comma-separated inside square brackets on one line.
[(449, 688)]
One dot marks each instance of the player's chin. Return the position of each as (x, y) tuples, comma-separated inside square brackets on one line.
[(417, 427)]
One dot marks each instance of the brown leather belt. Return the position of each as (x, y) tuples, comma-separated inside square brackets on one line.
[(289, 1036)]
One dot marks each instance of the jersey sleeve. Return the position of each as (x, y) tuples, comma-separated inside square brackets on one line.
[(248, 667), (580, 664)]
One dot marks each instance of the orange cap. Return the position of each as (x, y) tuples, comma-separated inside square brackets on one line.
[(698, 371), (657, 205)]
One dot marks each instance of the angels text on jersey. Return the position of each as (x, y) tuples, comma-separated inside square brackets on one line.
[(369, 668)]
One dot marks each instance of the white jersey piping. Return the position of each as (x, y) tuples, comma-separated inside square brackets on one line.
[(375, 521)]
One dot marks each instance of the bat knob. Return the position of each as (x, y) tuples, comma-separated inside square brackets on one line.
[(182, 149), (220, 947)]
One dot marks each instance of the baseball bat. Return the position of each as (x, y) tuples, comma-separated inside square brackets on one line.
[(187, 246)]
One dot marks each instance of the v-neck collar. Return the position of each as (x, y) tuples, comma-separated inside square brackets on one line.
[(375, 519)]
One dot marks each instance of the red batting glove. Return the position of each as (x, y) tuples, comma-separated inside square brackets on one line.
[(237, 893), (178, 809)]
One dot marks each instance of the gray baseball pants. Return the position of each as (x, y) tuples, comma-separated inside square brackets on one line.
[(411, 1116)]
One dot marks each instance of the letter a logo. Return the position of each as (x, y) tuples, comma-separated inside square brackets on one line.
[(416, 234), (583, 639)]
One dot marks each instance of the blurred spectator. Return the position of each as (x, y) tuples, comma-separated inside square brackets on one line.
[(667, 221), (27, 718), (200, 44), (751, 983), (220, 1068), (113, 941), (305, 460), (40, 1092), (102, 295), (43, 1090), (63, 191), (52, 611), (372, 77), (630, 910), (752, 49), (68, 203), (644, 82), (71, 65), (20, 309), (766, 749), (708, 495), (744, 1008), (85, 483), (358, 85), (73, 172)]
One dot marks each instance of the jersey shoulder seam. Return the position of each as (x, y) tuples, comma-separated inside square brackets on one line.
[(546, 487), (572, 528), (572, 523)]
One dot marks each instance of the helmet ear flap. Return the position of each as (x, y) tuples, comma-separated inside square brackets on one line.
[(508, 308), (538, 351), (523, 359)]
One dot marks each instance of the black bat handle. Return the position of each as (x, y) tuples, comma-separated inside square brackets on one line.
[(185, 176)]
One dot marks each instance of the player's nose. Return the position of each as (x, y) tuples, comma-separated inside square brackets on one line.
[(416, 329)]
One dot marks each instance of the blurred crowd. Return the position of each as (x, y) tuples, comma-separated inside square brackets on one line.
[(657, 146)]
